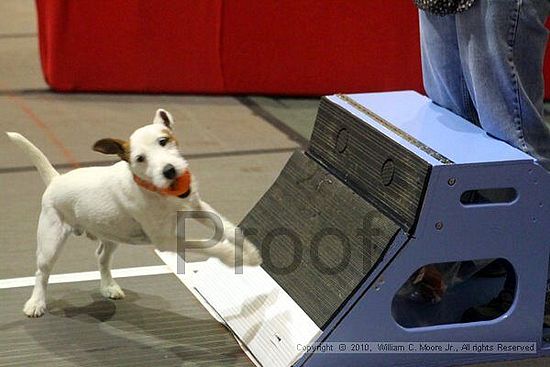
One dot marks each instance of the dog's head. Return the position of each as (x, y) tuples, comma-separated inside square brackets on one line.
[(152, 151)]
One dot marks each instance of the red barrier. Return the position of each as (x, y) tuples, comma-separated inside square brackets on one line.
[(291, 47)]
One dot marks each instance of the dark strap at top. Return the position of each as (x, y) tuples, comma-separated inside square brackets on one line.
[(444, 7)]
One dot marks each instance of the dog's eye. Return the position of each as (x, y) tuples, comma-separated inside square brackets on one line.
[(163, 141), (140, 158)]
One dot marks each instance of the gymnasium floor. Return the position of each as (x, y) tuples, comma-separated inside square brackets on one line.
[(236, 147)]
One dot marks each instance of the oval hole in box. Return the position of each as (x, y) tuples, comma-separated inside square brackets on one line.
[(455, 293), (489, 196)]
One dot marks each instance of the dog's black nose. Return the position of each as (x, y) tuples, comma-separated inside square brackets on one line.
[(169, 171)]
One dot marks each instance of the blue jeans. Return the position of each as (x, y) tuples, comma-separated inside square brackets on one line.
[(485, 64)]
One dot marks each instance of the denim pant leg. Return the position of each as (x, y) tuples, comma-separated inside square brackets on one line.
[(491, 55), (441, 67), (501, 45)]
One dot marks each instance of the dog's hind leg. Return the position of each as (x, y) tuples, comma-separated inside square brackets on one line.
[(108, 287), (51, 235)]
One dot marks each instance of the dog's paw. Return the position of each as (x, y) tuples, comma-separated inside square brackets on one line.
[(34, 307), (112, 291), (227, 252), (251, 254)]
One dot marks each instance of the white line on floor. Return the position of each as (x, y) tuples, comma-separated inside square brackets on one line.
[(87, 275)]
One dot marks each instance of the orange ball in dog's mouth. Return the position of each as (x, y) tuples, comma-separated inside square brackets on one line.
[(181, 187)]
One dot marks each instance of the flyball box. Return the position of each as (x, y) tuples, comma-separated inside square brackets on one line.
[(378, 194)]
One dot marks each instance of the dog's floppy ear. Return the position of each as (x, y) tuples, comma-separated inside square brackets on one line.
[(164, 117), (113, 146)]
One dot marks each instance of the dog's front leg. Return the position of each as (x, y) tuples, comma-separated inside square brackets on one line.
[(232, 237), (51, 236), (108, 287)]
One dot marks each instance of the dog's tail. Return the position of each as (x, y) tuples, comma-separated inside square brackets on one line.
[(38, 159)]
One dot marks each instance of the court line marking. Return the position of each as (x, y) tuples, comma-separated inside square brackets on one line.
[(191, 156), (139, 271), (274, 121), (39, 123)]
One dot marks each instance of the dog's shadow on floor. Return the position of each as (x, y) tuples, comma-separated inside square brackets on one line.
[(107, 332)]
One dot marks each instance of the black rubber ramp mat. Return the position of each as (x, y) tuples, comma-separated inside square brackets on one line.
[(159, 323), (378, 168), (319, 239)]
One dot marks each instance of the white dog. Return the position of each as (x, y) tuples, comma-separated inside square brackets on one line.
[(134, 201)]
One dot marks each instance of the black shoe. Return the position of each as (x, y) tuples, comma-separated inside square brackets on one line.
[(496, 307)]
